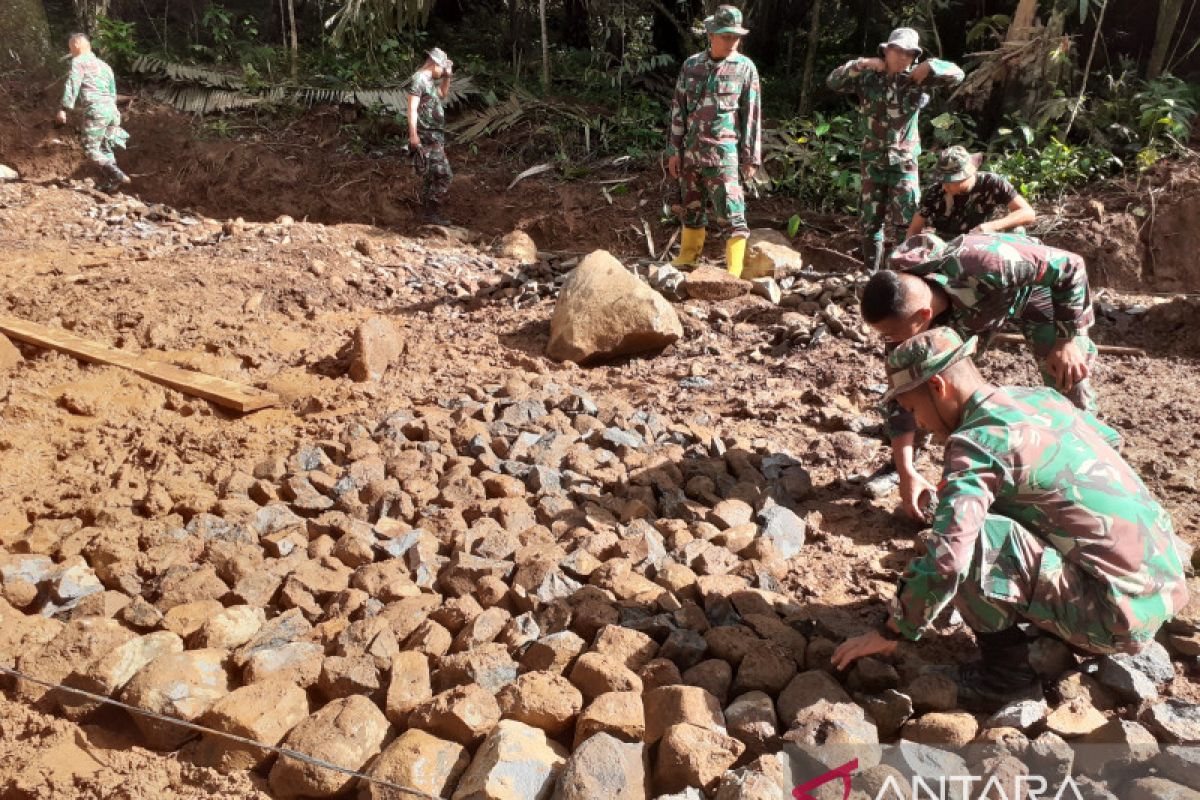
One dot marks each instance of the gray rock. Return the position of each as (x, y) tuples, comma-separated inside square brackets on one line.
[(1130, 675), (1180, 764), (604, 767), (685, 647), (515, 760), (26, 567), (1174, 721), (275, 518), (1050, 756), (932, 693), (783, 528), (1157, 789), (890, 710), (923, 761), (73, 584), (883, 486), (1022, 715)]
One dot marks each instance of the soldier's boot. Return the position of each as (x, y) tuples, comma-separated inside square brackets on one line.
[(691, 244), (115, 177), (1003, 675), (735, 255), (872, 254), (432, 214)]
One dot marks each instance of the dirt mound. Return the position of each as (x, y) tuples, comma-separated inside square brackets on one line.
[(1138, 235)]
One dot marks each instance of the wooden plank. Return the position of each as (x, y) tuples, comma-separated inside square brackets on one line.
[(1107, 349), (227, 394)]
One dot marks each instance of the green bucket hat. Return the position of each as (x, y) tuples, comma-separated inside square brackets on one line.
[(927, 354), (438, 56), (905, 39), (727, 20), (955, 164)]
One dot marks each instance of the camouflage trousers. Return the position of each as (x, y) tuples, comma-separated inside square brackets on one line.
[(101, 133), (720, 186), (1042, 338), (886, 189), (1016, 576), (436, 171)]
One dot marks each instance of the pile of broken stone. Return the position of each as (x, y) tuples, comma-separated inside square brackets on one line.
[(529, 593)]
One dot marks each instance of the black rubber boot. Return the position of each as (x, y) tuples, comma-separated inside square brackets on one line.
[(114, 178), (872, 254), (432, 214), (1002, 676)]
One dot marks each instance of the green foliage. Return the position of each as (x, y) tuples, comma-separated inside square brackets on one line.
[(370, 24), (231, 35), (1050, 170), (816, 160), (116, 41)]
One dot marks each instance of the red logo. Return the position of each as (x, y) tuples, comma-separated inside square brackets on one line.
[(844, 771)]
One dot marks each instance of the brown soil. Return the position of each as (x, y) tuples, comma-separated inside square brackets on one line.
[(275, 304)]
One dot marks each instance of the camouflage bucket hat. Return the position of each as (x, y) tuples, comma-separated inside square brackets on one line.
[(917, 250), (727, 20), (438, 56), (905, 39), (923, 356), (955, 164)]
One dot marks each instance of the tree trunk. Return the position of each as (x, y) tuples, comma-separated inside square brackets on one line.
[(545, 46), (1022, 20), (295, 41), (25, 34), (810, 59), (1168, 18)]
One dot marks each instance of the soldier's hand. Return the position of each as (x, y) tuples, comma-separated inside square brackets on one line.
[(673, 166), (869, 644), (873, 64), (61, 117), (1067, 364), (916, 494), (922, 71)]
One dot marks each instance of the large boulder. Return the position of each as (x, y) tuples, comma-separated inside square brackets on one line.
[(604, 311), (263, 711), (766, 259), (180, 685)]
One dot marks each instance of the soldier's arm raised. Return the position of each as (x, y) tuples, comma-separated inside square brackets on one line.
[(971, 481), (936, 73), (846, 77)]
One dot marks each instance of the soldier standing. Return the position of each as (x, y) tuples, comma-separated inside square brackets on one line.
[(1039, 519), (966, 200), (91, 83), (977, 284), (715, 130), (427, 91), (891, 93)]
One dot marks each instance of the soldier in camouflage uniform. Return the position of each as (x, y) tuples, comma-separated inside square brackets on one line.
[(428, 89), (965, 200), (92, 84), (716, 123), (1038, 520), (891, 92), (976, 284)]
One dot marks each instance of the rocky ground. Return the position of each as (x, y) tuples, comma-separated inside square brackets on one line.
[(464, 567)]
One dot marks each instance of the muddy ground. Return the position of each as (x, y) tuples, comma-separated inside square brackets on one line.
[(273, 303)]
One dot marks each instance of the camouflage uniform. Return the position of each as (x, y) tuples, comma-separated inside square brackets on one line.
[(992, 278), (716, 123), (954, 216), (91, 82), (431, 127), (890, 105), (1040, 519)]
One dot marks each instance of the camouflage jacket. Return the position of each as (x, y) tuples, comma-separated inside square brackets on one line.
[(956, 215), (991, 278), (91, 82), (890, 107), (1029, 455), (431, 112), (716, 116)]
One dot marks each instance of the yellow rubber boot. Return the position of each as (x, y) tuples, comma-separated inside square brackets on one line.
[(690, 247), (735, 255)]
